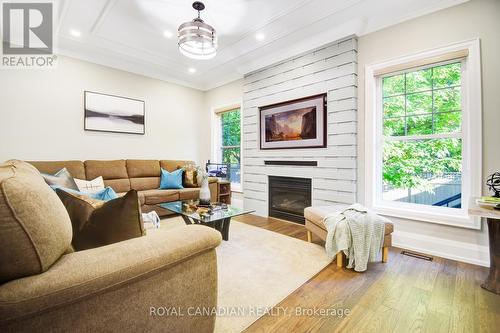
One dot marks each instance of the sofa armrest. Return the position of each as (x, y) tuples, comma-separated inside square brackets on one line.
[(91, 273)]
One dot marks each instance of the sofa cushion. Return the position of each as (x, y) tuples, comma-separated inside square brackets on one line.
[(113, 172), (145, 183), (35, 229), (98, 223), (144, 174), (115, 169), (119, 185), (75, 168), (143, 168), (172, 165), (153, 197), (140, 195), (61, 178), (189, 193)]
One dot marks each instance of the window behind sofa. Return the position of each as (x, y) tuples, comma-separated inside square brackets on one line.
[(229, 148)]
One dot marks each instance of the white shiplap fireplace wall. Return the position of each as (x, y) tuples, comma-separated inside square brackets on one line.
[(332, 69)]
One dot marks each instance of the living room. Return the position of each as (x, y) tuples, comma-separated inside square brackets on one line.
[(250, 166)]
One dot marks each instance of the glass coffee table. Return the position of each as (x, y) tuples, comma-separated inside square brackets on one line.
[(219, 219)]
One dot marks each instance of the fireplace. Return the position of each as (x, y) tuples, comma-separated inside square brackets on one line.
[(288, 196)]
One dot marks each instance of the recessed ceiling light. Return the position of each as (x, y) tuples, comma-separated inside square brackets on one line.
[(192, 70), (75, 33), (260, 36), (168, 34)]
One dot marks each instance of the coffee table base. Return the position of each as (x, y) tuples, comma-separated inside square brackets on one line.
[(220, 225)]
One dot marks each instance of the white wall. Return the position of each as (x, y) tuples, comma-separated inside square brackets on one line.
[(332, 69), (41, 115), (221, 97), (477, 18), (226, 95)]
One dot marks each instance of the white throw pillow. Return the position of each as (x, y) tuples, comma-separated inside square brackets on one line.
[(90, 186)]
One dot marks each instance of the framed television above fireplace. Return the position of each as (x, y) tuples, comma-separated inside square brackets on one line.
[(300, 123)]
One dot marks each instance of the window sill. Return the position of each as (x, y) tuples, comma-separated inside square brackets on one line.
[(456, 220)]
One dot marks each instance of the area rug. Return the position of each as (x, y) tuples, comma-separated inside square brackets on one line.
[(257, 270)]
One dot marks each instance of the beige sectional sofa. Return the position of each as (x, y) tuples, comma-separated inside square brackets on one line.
[(44, 287), (124, 175)]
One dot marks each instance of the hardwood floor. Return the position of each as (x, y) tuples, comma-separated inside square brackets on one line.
[(404, 295)]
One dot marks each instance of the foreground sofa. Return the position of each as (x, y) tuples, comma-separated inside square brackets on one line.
[(44, 287), (124, 175)]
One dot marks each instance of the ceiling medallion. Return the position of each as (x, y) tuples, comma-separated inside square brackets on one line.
[(197, 40)]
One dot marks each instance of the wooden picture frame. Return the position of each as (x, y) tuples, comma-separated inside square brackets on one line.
[(294, 124), (115, 114)]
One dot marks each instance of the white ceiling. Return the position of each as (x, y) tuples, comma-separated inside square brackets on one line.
[(129, 34)]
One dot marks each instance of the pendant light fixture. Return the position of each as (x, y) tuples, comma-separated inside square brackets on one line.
[(197, 40)]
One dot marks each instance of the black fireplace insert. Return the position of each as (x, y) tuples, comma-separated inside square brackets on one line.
[(288, 196)]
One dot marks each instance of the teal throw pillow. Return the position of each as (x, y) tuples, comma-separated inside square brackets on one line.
[(171, 180), (104, 195)]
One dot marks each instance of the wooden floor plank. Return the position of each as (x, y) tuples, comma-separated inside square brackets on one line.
[(444, 288), (404, 295)]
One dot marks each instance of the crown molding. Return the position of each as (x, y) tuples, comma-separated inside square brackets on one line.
[(278, 47)]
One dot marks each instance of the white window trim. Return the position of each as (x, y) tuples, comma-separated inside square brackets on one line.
[(472, 143), (215, 155)]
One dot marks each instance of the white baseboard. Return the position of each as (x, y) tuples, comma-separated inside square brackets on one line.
[(445, 248)]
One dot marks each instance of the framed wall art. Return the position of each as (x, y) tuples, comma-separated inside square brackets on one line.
[(299, 123), (110, 113)]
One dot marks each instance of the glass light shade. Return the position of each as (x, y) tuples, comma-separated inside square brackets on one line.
[(197, 40)]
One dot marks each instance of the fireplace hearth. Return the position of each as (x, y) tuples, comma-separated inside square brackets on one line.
[(288, 196)]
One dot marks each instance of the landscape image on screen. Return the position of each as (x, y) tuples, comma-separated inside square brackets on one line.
[(299, 124)]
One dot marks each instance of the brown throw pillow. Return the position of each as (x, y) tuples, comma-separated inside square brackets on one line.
[(61, 178), (190, 176), (98, 223)]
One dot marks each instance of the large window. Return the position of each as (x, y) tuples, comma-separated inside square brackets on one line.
[(230, 142), (423, 135)]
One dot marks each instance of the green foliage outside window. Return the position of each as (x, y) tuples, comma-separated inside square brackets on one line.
[(231, 137), (422, 102), (231, 143)]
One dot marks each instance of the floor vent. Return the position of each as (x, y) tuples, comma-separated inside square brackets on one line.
[(416, 255)]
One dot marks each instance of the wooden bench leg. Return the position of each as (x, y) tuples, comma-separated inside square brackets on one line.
[(309, 236), (340, 259), (385, 254)]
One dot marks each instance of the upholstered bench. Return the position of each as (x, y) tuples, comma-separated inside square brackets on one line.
[(314, 225)]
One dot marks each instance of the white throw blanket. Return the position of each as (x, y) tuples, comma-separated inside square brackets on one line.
[(356, 232)]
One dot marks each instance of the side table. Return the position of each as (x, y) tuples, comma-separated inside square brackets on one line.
[(224, 192), (492, 215)]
